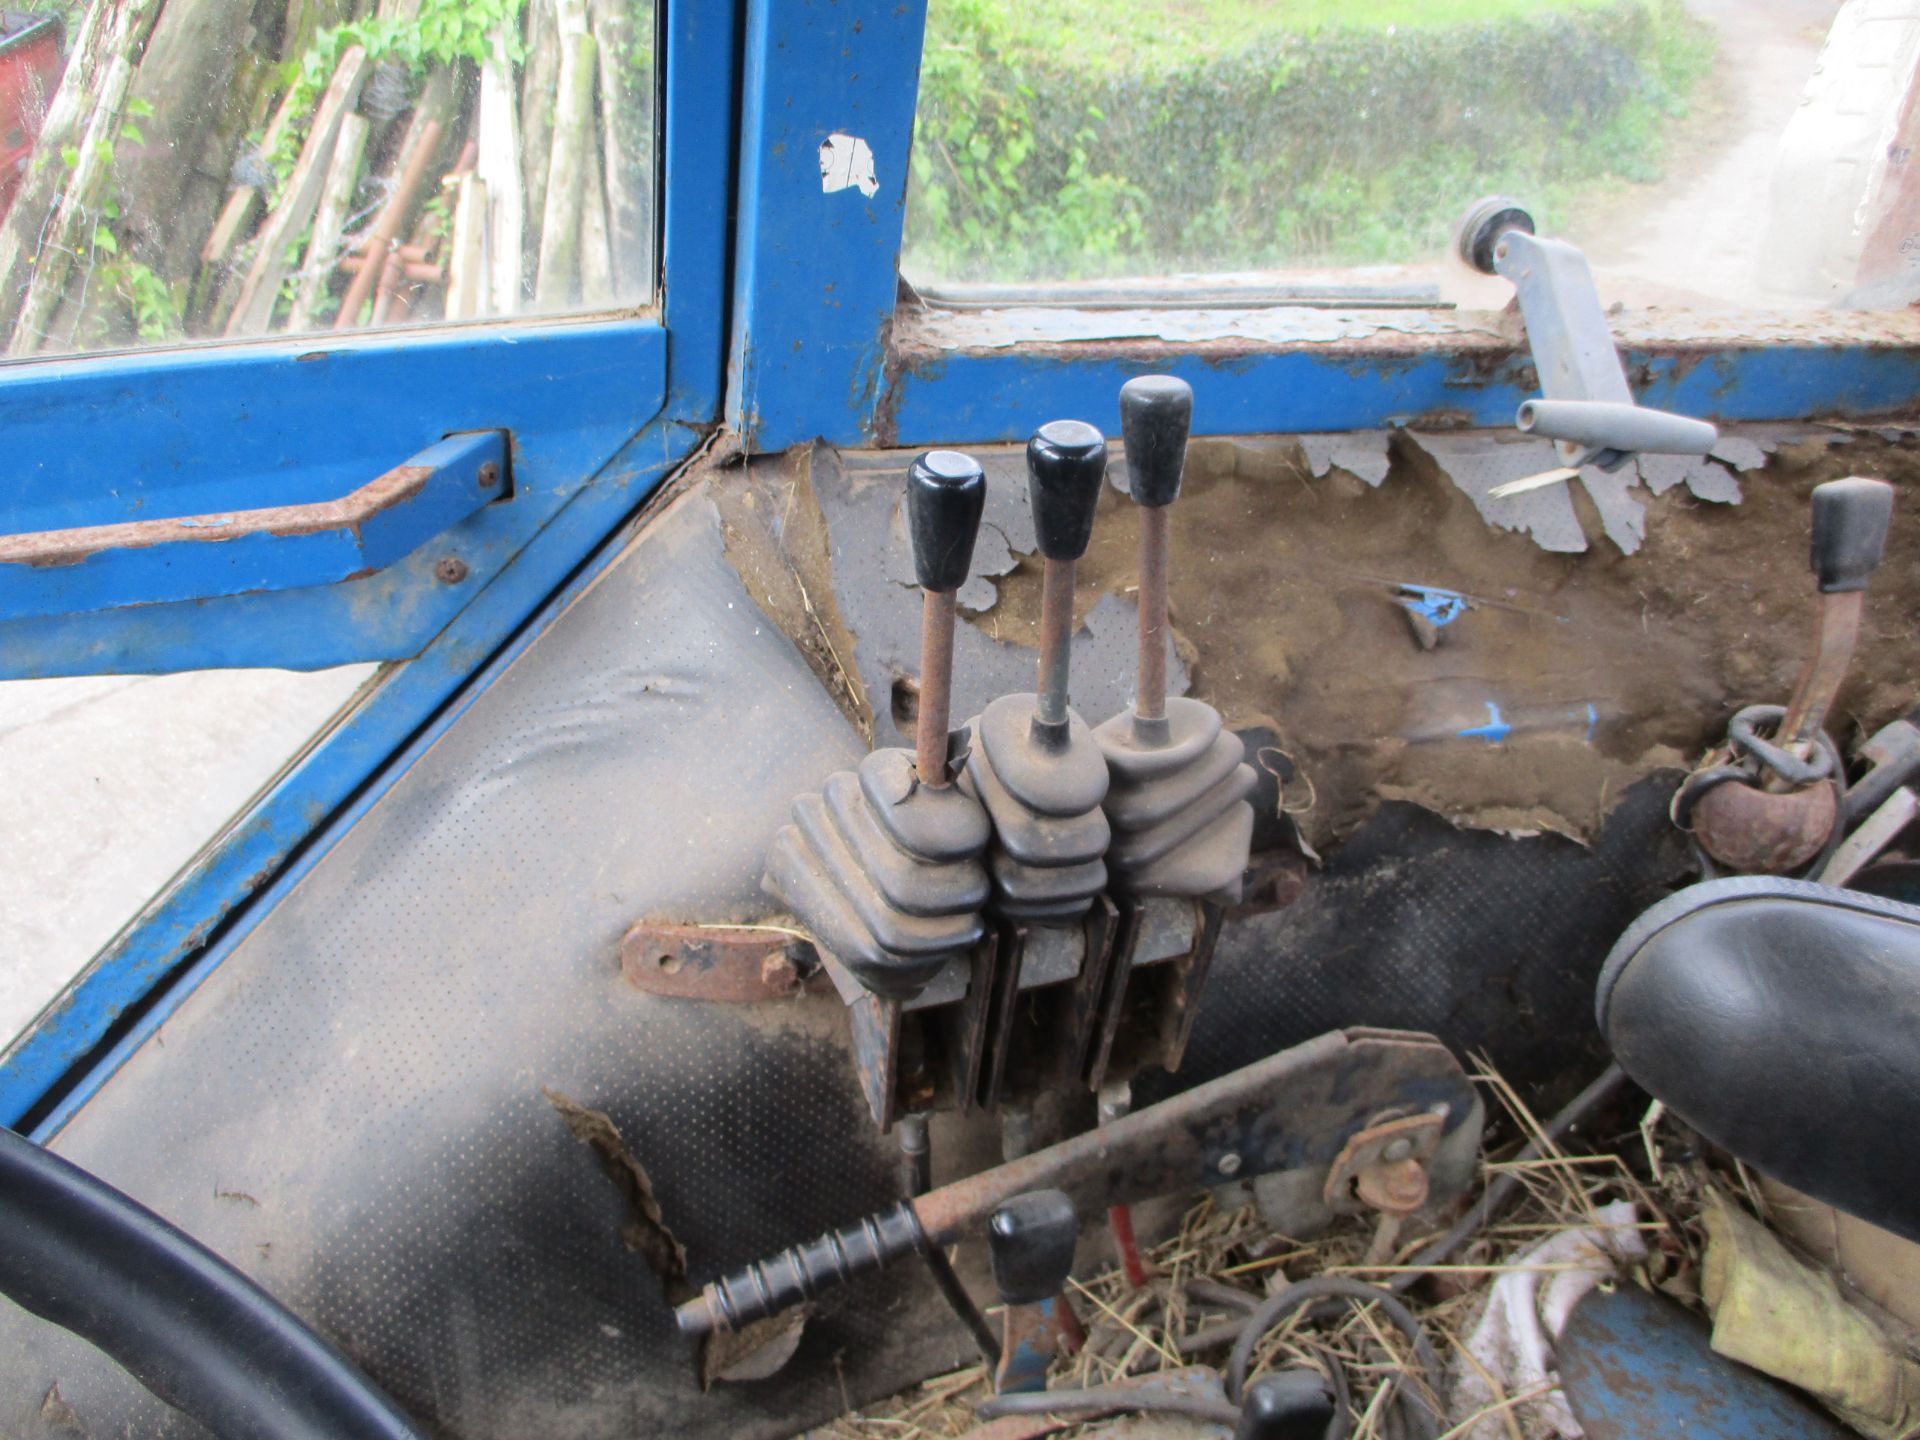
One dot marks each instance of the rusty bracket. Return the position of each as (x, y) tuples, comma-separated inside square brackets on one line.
[(733, 964), (1384, 1167)]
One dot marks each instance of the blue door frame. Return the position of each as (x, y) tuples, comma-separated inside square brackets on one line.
[(800, 340), (599, 411)]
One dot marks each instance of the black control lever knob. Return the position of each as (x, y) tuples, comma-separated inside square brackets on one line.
[(946, 491), (1156, 413), (1031, 1239), (1850, 519), (1066, 461)]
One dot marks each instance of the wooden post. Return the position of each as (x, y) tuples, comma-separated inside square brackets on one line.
[(626, 138), (539, 74), (70, 233), (417, 155), (466, 252), (329, 223), (253, 310), (559, 274), (499, 168)]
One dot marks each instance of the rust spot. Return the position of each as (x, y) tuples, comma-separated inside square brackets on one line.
[(350, 512)]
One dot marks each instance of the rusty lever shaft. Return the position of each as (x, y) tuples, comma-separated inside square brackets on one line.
[(1066, 461), (946, 492), (1156, 415)]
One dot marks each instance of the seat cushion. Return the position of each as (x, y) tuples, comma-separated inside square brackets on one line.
[(1782, 1020)]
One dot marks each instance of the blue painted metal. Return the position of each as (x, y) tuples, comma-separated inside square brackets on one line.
[(1635, 1366), (985, 396), (1493, 732), (102, 567), (366, 749), (816, 271), (1439, 608), (113, 439)]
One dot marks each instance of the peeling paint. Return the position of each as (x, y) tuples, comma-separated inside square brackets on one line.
[(1362, 454), (846, 163)]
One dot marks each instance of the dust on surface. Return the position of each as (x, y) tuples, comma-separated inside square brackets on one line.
[(777, 540), (1284, 607)]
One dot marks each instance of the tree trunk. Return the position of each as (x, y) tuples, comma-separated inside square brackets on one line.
[(186, 73), (35, 207), (538, 76), (626, 135), (329, 223), (253, 310), (68, 234), (467, 251), (497, 125), (573, 138)]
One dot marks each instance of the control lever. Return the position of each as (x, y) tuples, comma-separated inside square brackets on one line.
[(883, 865), (1588, 410), (1034, 762), (1031, 1240), (1182, 822), (1036, 767), (1291, 1111), (1766, 803)]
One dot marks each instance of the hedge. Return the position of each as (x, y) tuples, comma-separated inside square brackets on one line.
[(1335, 147)]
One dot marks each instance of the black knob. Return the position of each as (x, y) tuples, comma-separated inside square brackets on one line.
[(1482, 226), (1066, 461), (946, 492), (1292, 1405), (1156, 412), (1850, 519), (1031, 1239)]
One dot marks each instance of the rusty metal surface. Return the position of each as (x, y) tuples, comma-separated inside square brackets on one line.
[(349, 512), (1757, 832), (732, 964), (1288, 1112), (1384, 1167)]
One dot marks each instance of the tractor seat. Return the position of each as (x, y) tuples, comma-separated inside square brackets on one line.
[(1781, 1020)]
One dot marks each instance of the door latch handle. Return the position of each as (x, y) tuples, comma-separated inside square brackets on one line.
[(235, 552), (1587, 410)]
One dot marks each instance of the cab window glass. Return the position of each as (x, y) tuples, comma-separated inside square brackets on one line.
[(203, 169), (1706, 153)]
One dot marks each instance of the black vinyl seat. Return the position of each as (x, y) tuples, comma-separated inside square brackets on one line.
[(1781, 1019)]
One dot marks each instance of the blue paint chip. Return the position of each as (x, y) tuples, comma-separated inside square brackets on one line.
[(1432, 604), (1493, 732)]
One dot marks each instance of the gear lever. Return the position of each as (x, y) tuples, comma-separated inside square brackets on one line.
[(1767, 804), (883, 865), (1178, 799)]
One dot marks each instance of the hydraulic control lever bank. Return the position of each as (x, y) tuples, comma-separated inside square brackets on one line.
[(1028, 901)]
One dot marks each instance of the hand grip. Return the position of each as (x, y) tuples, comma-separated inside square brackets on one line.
[(946, 492), (1850, 519), (1031, 1240), (1066, 461), (1156, 414), (769, 1286)]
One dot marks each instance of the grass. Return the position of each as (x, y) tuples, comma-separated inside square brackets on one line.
[(1146, 35)]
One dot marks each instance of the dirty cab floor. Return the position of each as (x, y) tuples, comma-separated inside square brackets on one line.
[(420, 1105)]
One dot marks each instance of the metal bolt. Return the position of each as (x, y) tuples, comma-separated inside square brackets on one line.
[(489, 475), (1230, 1163), (1397, 1149), (451, 570)]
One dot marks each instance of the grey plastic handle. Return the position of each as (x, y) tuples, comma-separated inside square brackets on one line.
[(1607, 425)]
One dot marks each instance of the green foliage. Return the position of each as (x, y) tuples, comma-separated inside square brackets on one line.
[(1038, 156), (444, 32)]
